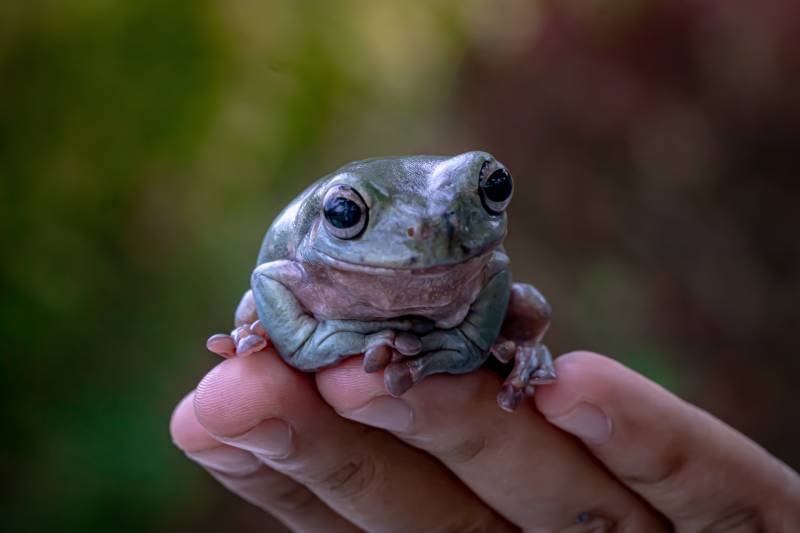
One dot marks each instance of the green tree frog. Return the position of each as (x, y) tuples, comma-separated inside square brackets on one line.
[(399, 259)]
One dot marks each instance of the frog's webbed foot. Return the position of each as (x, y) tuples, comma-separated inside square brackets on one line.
[(249, 335), (243, 341), (527, 320), (533, 365), (447, 351), (389, 346)]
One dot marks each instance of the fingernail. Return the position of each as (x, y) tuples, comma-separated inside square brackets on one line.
[(226, 459), (271, 438), (384, 412), (586, 421)]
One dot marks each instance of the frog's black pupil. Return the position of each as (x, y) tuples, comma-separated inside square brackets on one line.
[(342, 212), (497, 186)]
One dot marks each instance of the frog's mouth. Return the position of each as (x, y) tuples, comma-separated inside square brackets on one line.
[(473, 263)]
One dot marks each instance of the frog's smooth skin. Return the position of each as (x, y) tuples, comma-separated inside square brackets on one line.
[(400, 259)]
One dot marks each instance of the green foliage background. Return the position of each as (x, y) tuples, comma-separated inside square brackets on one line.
[(145, 146)]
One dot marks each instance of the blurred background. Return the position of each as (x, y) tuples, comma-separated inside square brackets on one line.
[(145, 147)]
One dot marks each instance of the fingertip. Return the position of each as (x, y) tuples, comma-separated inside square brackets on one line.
[(239, 393), (187, 433), (582, 375)]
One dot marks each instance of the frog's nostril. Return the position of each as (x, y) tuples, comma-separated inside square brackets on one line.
[(410, 232)]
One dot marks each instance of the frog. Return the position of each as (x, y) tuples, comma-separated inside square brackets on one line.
[(400, 259)]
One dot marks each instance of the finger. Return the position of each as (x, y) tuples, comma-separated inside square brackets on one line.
[(699, 472), (244, 474), (260, 405), (536, 476)]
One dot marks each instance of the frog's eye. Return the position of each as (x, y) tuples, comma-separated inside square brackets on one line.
[(344, 212), (496, 188)]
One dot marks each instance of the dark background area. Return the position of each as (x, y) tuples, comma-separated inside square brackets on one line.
[(146, 146)]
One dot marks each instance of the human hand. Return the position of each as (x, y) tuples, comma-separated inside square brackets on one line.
[(331, 451)]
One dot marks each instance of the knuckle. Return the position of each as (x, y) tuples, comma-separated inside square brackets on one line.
[(292, 498), (742, 519), (487, 523), (465, 450), (353, 477), (669, 468)]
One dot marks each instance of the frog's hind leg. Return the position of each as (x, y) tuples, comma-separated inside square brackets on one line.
[(533, 365), (248, 337), (527, 320)]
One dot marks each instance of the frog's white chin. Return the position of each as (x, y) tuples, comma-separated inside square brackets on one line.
[(336, 289)]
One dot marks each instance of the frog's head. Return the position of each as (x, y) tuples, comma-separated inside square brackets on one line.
[(418, 213)]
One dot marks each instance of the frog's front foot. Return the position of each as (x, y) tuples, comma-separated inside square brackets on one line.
[(533, 365), (243, 341), (389, 346), (448, 351)]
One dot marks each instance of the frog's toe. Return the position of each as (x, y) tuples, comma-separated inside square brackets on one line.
[(398, 378), (513, 391), (257, 328), (407, 343), (510, 397), (389, 346), (249, 339), (243, 341), (543, 376), (250, 344), (545, 372), (504, 350), (377, 357), (221, 344)]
